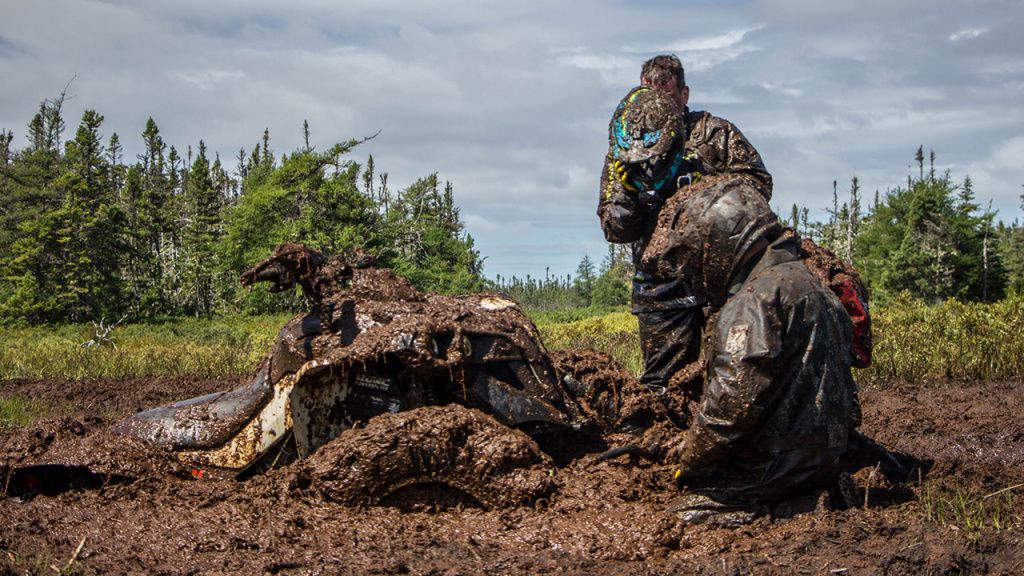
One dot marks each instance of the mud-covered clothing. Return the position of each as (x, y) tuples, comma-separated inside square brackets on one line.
[(714, 146), (779, 400), (669, 342), (723, 149)]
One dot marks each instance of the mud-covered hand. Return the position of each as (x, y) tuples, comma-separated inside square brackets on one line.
[(617, 170), (619, 207), (698, 453), (680, 456)]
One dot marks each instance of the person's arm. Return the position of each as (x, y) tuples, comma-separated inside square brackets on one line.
[(619, 208), (744, 348)]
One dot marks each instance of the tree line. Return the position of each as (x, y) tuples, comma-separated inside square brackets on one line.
[(86, 234), (928, 239), (603, 285)]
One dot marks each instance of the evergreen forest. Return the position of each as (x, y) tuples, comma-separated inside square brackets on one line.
[(87, 234), (927, 239)]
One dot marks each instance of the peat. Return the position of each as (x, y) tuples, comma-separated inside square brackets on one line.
[(601, 518)]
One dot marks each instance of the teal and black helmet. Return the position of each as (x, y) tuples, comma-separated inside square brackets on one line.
[(645, 135)]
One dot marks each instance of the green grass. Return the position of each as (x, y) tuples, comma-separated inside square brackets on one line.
[(206, 348), (919, 343), (914, 343), (969, 510), (566, 315), (614, 333), (20, 411)]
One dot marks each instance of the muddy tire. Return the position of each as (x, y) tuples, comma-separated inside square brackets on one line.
[(600, 385), (442, 453)]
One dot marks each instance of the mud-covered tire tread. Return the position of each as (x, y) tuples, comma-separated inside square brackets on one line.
[(603, 387), (448, 445)]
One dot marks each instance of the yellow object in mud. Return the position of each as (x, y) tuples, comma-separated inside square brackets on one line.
[(617, 171)]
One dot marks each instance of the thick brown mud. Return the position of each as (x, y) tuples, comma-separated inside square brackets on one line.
[(143, 515), (489, 464)]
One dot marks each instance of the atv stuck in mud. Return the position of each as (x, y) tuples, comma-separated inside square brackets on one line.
[(383, 378)]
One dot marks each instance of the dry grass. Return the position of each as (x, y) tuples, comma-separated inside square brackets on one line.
[(206, 348), (914, 343)]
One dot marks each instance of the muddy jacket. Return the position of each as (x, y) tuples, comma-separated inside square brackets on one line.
[(717, 147), (723, 149), (779, 400)]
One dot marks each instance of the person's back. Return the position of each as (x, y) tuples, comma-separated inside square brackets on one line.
[(796, 333)]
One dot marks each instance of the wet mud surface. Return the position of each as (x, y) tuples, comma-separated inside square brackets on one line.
[(589, 516)]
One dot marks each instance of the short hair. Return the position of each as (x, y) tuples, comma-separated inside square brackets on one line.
[(662, 69)]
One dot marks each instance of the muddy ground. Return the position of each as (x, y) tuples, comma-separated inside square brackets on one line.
[(602, 517)]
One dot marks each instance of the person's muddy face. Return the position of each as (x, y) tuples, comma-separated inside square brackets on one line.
[(680, 94)]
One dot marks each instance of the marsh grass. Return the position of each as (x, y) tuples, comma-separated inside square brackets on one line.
[(614, 334), (205, 348), (566, 315), (970, 510), (919, 343), (914, 343), (20, 411)]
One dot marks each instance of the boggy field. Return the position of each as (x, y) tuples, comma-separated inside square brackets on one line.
[(960, 515)]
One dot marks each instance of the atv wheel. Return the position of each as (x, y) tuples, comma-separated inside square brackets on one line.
[(443, 454), (600, 385)]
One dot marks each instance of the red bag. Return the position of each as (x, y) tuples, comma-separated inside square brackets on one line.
[(843, 279)]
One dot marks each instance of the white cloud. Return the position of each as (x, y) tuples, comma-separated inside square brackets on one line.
[(613, 68), (206, 79), (967, 34), (715, 42), (702, 52), (476, 224), (784, 89), (511, 103)]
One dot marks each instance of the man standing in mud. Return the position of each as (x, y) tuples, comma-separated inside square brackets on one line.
[(716, 143), (667, 308)]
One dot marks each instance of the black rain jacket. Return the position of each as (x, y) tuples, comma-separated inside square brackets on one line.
[(779, 400)]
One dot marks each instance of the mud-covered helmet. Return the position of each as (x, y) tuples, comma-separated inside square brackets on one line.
[(645, 135)]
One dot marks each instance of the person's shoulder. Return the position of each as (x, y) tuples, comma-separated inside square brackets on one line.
[(705, 126), (730, 190), (694, 117), (791, 284)]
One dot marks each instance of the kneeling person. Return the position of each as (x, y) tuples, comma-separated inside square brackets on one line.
[(779, 400)]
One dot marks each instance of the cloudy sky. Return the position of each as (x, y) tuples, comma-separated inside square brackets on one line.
[(510, 101)]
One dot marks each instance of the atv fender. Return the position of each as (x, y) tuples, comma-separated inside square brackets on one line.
[(204, 422)]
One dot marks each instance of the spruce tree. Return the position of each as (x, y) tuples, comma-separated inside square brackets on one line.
[(202, 229)]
